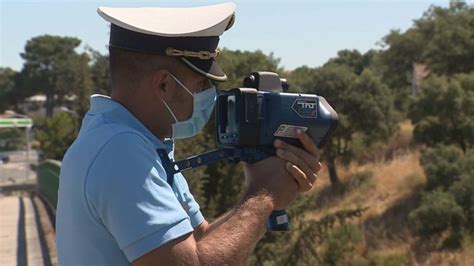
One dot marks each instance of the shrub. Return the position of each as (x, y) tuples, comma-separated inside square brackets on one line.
[(56, 134), (437, 213), (12, 139), (341, 243), (442, 166), (463, 192), (443, 112), (396, 259)]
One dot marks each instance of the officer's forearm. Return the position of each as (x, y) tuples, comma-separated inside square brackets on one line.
[(231, 238), (215, 224)]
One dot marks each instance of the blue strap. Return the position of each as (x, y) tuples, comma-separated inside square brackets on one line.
[(167, 165)]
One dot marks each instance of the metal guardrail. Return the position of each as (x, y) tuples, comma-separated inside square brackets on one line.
[(48, 182)]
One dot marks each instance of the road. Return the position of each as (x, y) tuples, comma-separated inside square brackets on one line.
[(26, 232), (17, 170)]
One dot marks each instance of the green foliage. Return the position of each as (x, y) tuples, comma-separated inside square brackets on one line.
[(351, 87), (364, 105), (354, 59), (56, 134), (341, 244), (468, 243), (12, 139), (442, 39), (363, 102), (7, 87), (318, 241), (238, 64), (299, 78), (80, 83), (437, 213), (404, 49), (390, 260), (442, 166), (54, 68), (444, 111), (463, 191), (100, 72), (272, 249), (448, 38), (451, 205)]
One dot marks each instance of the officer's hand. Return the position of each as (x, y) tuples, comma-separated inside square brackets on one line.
[(302, 164), (270, 176)]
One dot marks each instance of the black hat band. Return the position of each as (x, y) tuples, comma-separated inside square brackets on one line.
[(148, 43)]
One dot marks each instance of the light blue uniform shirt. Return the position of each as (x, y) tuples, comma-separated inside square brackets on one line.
[(114, 203)]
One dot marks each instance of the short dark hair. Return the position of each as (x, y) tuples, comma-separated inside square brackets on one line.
[(129, 68)]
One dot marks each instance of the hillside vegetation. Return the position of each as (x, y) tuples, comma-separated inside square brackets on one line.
[(365, 220)]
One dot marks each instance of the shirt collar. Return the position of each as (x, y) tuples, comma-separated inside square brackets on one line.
[(116, 112)]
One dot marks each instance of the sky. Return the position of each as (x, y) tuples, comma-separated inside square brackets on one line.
[(299, 32)]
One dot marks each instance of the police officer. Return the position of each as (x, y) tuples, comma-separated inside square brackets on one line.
[(117, 205)]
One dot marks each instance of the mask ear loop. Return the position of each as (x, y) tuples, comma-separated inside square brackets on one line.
[(171, 112), (166, 105), (181, 84)]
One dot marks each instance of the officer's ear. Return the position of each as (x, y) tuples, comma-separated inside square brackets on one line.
[(162, 84)]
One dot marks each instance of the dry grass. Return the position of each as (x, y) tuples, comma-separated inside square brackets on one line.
[(391, 181), (391, 193)]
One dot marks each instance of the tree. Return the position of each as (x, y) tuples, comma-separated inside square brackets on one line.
[(448, 38), (437, 212), (237, 64), (7, 87), (354, 59), (351, 87), (463, 191), (443, 113), (402, 50), (299, 78), (12, 139), (441, 165), (364, 105), (448, 201), (53, 67), (56, 134), (442, 40), (81, 83), (100, 72)]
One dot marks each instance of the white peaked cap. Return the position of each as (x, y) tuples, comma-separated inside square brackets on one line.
[(191, 34), (172, 22)]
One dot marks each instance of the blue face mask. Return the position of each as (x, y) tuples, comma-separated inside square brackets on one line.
[(203, 105)]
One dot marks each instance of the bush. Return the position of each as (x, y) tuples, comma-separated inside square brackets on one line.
[(12, 139), (341, 243), (467, 163), (395, 259), (437, 213), (442, 166), (451, 206), (463, 192), (430, 131), (443, 112), (56, 134)]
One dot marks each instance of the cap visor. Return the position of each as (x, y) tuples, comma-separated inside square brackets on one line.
[(215, 72)]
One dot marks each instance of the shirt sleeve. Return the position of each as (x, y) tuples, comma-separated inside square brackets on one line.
[(185, 196), (127, 188), (188, 202)]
